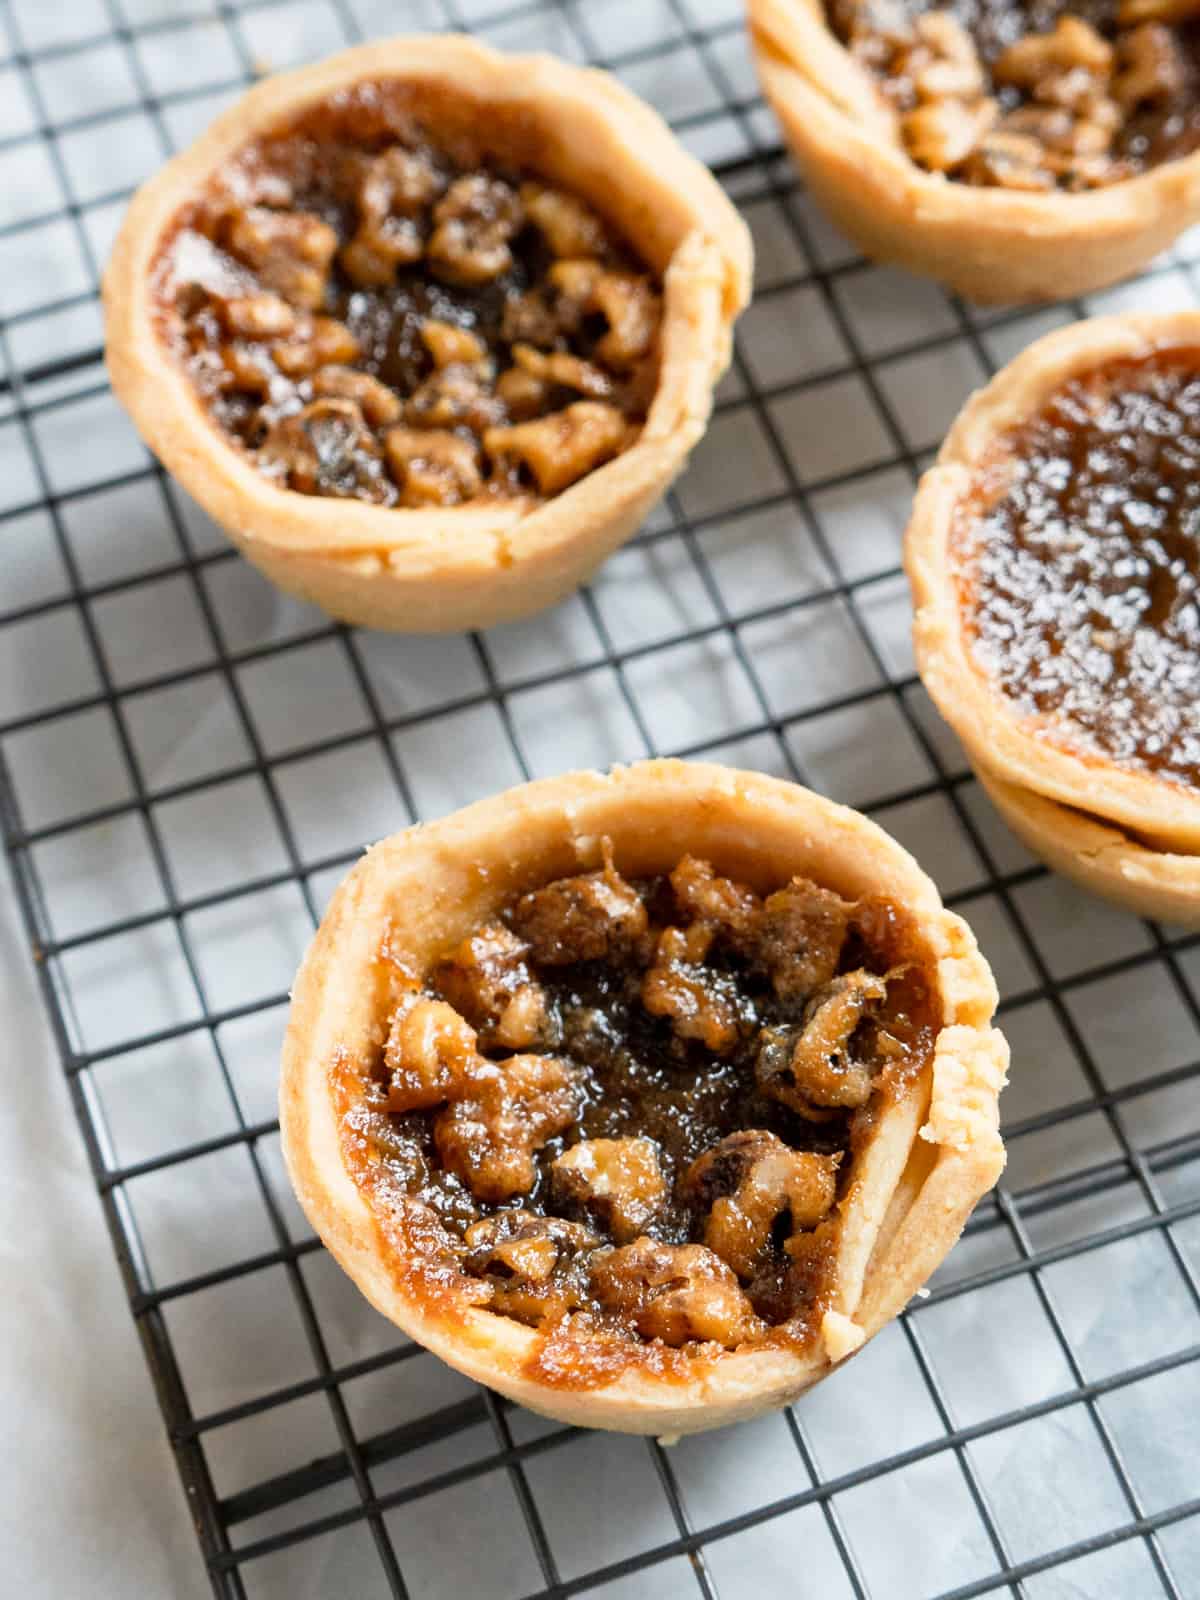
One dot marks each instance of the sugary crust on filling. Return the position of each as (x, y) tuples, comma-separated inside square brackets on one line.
[(1033, 96), (373, 308), (1078, 558), (628, 1114)]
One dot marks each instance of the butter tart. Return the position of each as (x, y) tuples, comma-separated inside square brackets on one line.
[(643, 1098), (1015, 150), (1054, 554), (428, 329)]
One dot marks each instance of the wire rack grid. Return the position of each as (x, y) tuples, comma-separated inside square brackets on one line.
[(188, 762)]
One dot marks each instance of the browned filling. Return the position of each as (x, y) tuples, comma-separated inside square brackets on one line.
[(1082, 576), (371, 312), (1037, 94), (628, 1110)]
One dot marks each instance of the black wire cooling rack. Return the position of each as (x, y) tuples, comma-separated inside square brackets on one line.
[(1029, 1426)]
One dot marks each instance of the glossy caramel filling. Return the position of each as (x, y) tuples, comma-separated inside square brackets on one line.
[(629, 1109), (1083, 575), (373, 309), (1034, 96)]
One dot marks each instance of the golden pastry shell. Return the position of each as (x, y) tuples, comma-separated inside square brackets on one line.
[(992, 245), (936, 1152), (1025, 751), (432, 571), (1099, 856)]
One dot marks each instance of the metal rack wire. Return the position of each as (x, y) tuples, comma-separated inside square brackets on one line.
[(1009, 1441)]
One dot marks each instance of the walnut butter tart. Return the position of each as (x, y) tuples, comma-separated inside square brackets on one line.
[(428, 329), (1014, 149), (644, 1098), (1054, 554)]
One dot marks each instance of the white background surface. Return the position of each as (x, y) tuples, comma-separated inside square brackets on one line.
[(90, 1501)]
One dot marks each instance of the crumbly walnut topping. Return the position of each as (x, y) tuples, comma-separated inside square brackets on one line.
[(678, 986), (534, 1265), (1078, 101), (513, 1107), (591, 918), (487, 306), (675, 1293), (747, 1183), (432, 466), (630, 1104), (812, 1068), (616, 1182)]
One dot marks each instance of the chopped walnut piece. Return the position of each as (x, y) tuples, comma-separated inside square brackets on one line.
[(248, 369), (617, 1183), (571, 372), (1150, 66), (450, 345), (569, 227), (532, 1263), (456, 396), (574, 282), (581, 919), (395, 186), (1034, 57), (801, 931), (1131, 12), (955, 70), (729, 908), (632, 310), (432, 467), (701, 1003), (370, 262), (487, 979), (374, 399), (1009, 161), (488, 1138), (473, 223), (533, 318), (809, 1068), (326, 448), (747, 1182), (290, 251), (431, 1055), (674, 1293), (257, 316), (942, 135), (561, 448), (522, 395), (317, 342)]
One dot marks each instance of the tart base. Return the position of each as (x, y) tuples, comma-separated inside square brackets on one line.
[(994, 246), (430, 886), (1098, 856), (469, 566)]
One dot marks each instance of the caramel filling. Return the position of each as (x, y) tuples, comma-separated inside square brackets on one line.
[(631, 1109), (1082, 577), (1034, 96), (374, 313)]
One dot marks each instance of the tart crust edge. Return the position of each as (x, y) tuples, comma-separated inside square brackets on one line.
[(944, 1154), (994, 246), (466, 566), (995, 734)]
